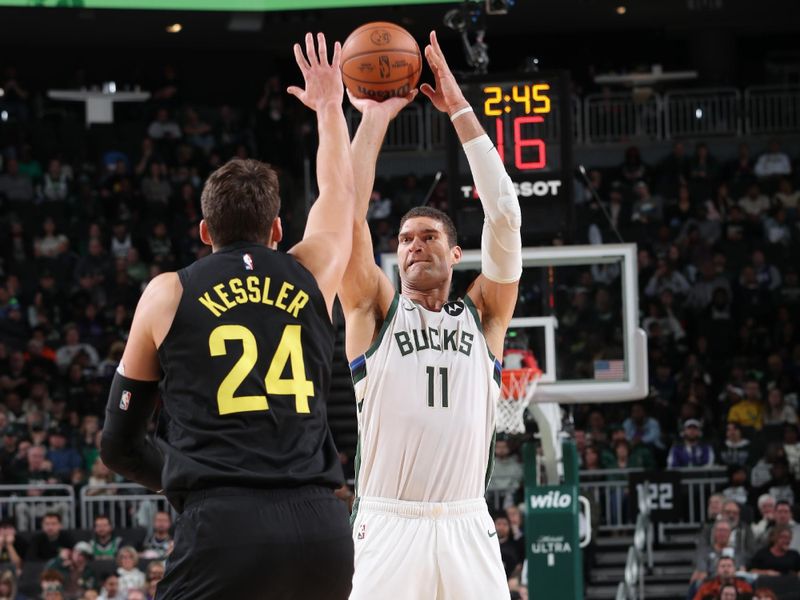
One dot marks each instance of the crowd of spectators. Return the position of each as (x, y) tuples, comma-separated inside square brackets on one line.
[(718, 249), (86, 564), (85, 223), (718, 255)]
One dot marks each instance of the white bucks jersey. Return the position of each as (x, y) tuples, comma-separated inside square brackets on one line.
[(426, 393)]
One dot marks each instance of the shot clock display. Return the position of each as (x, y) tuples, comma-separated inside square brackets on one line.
[(528, 118), (530, 103)]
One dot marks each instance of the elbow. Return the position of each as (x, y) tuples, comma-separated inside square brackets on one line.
[(105, 455), (109, 453)]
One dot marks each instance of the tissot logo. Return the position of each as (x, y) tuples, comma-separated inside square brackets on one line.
[(523, 189), (454, 308), (552, 499)]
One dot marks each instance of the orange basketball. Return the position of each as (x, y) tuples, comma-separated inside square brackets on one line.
[(380, 60)]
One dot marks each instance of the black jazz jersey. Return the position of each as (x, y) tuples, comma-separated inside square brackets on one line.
[(247, 367)]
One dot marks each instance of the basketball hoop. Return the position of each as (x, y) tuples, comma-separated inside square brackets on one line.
[(516, 392)]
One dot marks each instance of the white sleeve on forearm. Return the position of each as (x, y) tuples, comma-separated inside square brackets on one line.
[(501, 244)]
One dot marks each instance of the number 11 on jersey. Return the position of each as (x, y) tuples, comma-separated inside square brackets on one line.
[(431, 371)]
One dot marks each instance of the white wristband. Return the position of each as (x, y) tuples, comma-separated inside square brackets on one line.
[(458, 113)]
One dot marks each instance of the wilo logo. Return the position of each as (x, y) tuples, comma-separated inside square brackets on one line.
[(552, 499)]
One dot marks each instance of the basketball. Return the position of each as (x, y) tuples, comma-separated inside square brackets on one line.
[(380, 60)]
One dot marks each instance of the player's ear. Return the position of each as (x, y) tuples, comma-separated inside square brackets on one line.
[(275, 233), (456, 253), (205, 235)]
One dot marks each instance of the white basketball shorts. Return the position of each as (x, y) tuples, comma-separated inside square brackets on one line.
[(426, 551)]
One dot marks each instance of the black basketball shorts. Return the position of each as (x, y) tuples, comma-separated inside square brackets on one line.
[(245, 544)]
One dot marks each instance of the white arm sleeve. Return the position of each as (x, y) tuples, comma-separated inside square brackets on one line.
[(501, 244)]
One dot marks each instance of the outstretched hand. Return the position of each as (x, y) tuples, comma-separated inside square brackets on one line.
[(323, 80), (447, 96), (389, 108)]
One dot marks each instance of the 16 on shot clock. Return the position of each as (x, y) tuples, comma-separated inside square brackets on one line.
[(528, 118)]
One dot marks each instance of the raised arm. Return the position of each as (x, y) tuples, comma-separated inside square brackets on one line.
[(327, 241), (366, 292), (494, 292)]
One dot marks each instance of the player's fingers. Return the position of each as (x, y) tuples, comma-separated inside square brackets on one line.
[(432, 58), (311, 51), (438, 51), (411, 95), (295, 91), (322, 45), (337, 55), (427, 90), (435, 43), (301, 60)]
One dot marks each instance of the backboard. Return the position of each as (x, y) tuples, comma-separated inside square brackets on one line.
[(578, 315)]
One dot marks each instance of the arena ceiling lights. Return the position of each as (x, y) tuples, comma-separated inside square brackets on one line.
[(225, 5)]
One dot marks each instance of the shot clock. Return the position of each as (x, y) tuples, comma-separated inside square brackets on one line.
[(529, 119), (530, 104)]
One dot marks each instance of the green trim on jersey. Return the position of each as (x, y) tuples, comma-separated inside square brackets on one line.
[(474, 310), (359, 372), (490, 463), (354, 514), (386, 321), (498, 373), (357, 466), (496, 369)]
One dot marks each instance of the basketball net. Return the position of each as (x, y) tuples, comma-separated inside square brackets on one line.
[(516, 392)]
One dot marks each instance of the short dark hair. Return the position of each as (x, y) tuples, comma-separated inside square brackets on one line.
[(501, 515), (98, 517), (240, 201), (436, 215), (776, 532), (52, 515)]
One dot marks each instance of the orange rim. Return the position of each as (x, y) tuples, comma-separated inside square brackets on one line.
[(514, 382)]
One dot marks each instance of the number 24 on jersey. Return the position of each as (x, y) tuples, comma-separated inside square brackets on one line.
[(289, 350)]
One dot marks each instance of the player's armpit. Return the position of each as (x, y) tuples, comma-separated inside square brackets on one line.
[(495, 303), (124, 446), (364, 283), (362, 326), (366, 295)]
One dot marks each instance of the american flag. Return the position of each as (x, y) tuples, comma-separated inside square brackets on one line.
[(606, 370)]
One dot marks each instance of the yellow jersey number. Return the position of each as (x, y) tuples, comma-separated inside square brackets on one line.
[(289, 350)]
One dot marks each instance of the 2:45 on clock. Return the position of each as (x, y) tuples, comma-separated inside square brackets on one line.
[(533, 97)]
